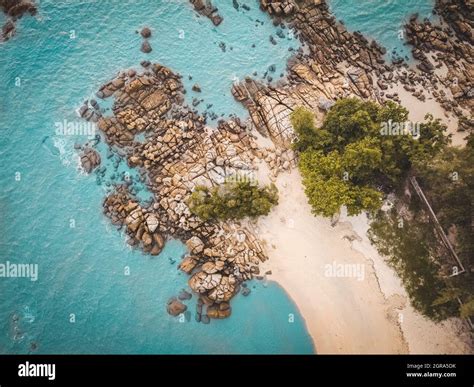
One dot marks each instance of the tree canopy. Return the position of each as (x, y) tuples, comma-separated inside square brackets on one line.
[(232, 200), (349, 158)]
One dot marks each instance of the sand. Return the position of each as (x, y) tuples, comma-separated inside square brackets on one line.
[(351, 314), (418, 109)]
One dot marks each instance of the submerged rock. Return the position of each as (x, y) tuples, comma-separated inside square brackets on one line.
[(174, 307), (184, 295), (146, 47), (208, 10)]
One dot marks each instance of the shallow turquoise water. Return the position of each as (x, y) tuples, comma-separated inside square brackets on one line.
[(382, 20), (81, 269)]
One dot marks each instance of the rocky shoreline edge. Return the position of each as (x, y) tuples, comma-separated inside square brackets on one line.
[(14, 10), (181, 152)]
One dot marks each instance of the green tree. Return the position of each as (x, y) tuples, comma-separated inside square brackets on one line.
[(410, 250), (232, 200), (352, 137)]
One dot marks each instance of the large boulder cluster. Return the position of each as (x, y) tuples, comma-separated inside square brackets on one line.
[(179, 153), (205, 8), (448, 45), (336, 63)]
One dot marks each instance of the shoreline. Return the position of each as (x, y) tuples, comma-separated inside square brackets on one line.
[(345, 315)]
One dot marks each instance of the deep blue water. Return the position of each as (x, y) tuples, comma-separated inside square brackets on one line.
[(45, 76)]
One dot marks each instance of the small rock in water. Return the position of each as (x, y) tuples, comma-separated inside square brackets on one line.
[(205, 319), (184, 295), (146, 47), (272, 40), (280, 34), (146, 32), (187, 316), (196, 88), (245, 291), (174, 307)]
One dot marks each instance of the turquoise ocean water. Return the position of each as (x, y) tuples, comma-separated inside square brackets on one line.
[(45, 75), (382, 20)]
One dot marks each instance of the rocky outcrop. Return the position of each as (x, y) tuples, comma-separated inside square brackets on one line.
[(90, 159), (140, 103), (459, 15), (450, 46), (335, 63), (179, 153), (223, 310), (205, 8), (174, 307), (142, 224), (15, 9), (146, 47), (145, 33)]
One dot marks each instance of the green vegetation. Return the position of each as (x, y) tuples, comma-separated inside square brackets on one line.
[(232, 200), (350, 161), (448, 182), (347, 159), (448, 179), (410, 245)]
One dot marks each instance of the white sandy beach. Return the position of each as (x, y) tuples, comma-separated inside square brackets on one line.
[(345, 315)]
